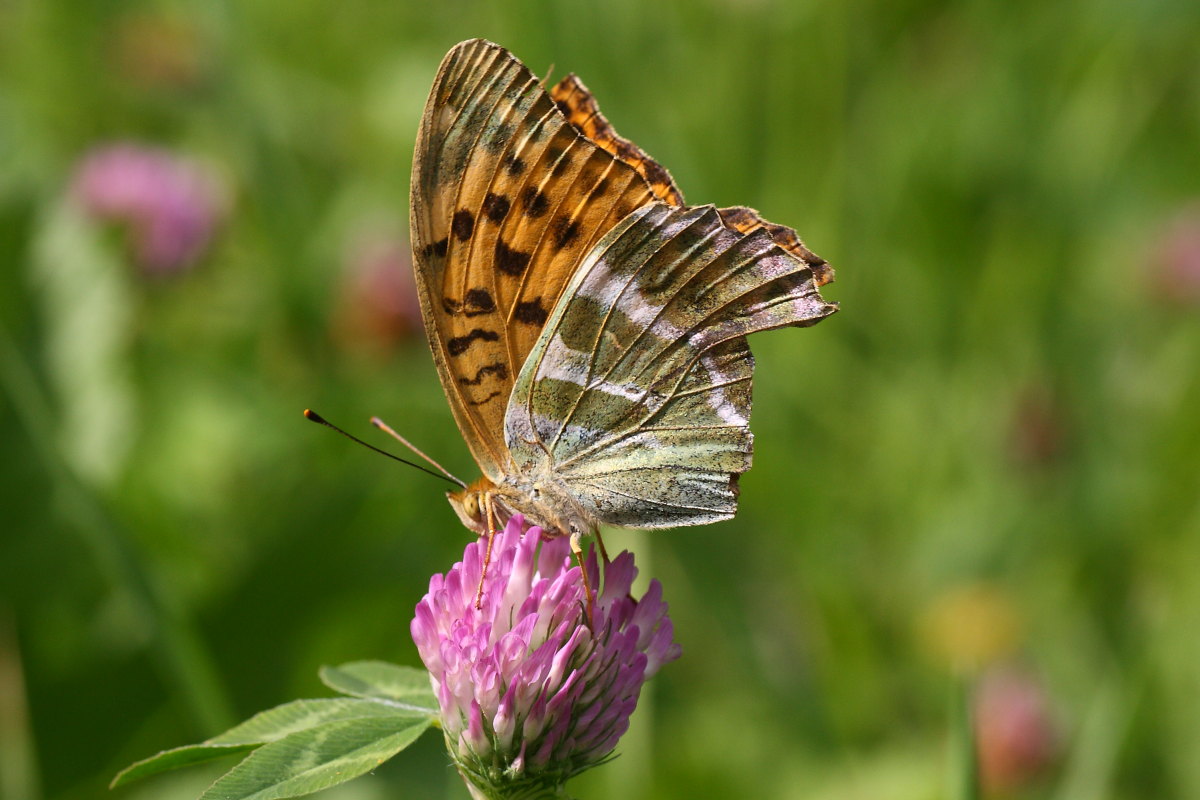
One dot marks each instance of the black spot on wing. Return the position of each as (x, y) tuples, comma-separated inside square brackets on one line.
[(536, 203), (487, 399), (565, 230), (514, 165), (495, 207), (564, 108), (463, 224), (479, 302), (509, 261), (499, 369), (437, 248), (531, 312), (560, 162), (459, 344)]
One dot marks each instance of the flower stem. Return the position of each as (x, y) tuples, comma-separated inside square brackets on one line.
[(530, 791)]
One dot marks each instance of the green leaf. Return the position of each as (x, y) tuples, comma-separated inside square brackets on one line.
[(299, 715), (269, 726), (317, 758), (175, 758), (380, 679)]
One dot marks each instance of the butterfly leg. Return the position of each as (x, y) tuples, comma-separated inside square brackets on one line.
[(600, 544), (489, 514), (577, 550)]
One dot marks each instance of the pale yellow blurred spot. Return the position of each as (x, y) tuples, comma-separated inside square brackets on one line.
[(970, 626)]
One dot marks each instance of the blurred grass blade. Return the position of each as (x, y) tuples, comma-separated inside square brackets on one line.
[(382, 680), (19, 779), (265, 727), (1093, 761), (87, 304), (964, 754), (317, 758)]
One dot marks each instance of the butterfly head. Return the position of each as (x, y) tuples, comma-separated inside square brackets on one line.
[(470, 505)]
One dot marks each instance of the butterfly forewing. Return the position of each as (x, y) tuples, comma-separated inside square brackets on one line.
[(507, 196), (582, 111), (637, 393)]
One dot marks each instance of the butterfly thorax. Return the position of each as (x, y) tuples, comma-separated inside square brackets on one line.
[(542, 499)]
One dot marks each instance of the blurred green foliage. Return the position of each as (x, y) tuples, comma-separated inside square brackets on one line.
[(989, 458)]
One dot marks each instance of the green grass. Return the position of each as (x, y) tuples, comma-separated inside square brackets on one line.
[(1005, 401)]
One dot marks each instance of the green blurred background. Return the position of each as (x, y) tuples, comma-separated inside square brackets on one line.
[(990, 470)]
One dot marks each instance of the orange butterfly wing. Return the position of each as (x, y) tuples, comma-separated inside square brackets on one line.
[(581, 110), (508, 194)]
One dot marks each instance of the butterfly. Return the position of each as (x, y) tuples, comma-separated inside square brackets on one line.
[(589, 328)]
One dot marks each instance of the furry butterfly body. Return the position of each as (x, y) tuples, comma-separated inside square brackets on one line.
[(588, 327)]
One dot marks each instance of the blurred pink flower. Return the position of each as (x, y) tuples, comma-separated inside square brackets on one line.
[(1015, 733), (1177, 260), (378, 300), (170, 204), (530, 694)]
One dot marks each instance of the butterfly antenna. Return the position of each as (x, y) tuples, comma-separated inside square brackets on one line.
[(383, 426), (315, 417)]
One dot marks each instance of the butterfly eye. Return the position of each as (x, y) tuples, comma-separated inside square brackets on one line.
[(471, 505)]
